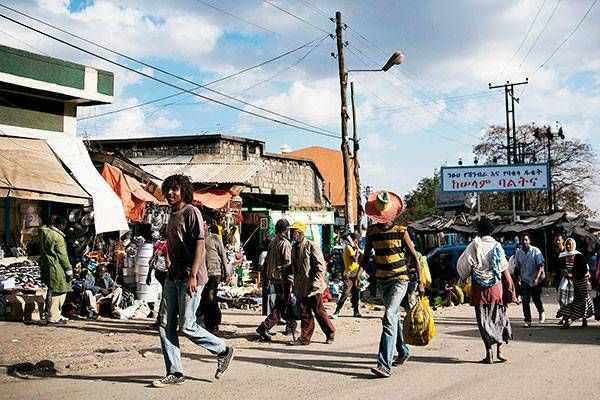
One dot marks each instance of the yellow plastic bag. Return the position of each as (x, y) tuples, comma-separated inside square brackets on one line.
[(418, 326), (425, 276)]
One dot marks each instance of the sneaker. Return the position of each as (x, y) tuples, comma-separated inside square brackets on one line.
[(263, 335), (168, 381), (223, 361), (527, 325), (542, 317), (330, 340), (400, 360), (380, 372), (357, 314), (335, 315)]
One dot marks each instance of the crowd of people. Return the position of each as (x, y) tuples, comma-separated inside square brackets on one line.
[(191, 263)]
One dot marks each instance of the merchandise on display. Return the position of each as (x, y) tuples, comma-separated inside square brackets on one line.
[(21, 275)]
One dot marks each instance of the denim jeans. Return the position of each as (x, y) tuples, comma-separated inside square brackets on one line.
[(178, 313), (391, 337)]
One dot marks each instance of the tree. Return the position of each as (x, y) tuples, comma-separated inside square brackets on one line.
[(420, 203), (572, 169)]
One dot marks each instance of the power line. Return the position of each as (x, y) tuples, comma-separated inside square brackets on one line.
[(566, 39), (201, 86), (237, 17), (153, 67), (321, 132), (537, 38), (295, 16), (294, 64), (537, 14)]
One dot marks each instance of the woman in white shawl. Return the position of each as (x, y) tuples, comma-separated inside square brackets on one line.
[(575, 269), (492, 288)]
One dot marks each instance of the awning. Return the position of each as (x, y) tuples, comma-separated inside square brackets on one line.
[(30, 170), (212, 198), (202, 172), (108, 210), (130, 191)]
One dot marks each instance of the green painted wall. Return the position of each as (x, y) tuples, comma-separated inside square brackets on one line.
[(31, 119), (106, 83), (41, 68)]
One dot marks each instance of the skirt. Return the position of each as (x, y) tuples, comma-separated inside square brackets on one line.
[(494, 325), (581, 306)]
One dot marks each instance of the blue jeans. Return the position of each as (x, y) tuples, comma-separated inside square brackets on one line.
[(391, 337), (178, 313)]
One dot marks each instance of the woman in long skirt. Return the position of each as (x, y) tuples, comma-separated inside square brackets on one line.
[(492, 289), (575, 268)]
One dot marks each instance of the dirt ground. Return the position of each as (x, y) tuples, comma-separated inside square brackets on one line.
[(117, 359)]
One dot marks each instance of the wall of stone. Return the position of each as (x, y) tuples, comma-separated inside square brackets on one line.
[(297, 179)]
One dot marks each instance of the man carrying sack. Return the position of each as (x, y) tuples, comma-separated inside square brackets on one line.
[(389, 240)]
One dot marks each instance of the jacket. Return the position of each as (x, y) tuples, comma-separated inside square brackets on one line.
[(278, 259), (54, 261), (309, 268), (215, 256)]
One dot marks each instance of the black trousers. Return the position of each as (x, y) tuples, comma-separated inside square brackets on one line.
[(529, 293), (209, 309)]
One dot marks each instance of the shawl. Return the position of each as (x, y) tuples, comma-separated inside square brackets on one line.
[(484, 261)]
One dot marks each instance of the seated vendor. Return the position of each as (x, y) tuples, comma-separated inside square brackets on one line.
[(99, 290)]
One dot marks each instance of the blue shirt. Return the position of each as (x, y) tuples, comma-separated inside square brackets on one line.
[(529, 263)]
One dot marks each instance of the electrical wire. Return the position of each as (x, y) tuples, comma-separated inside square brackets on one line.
[(537, 14), (537, 38), (566, 39), (318, 132), (236, 17), (199, 87), (295, 16)]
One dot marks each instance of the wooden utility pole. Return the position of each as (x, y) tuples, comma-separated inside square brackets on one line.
[(344, 117), (359, 207), (512, 155)]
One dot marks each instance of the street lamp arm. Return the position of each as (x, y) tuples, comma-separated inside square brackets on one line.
[(364, 70)]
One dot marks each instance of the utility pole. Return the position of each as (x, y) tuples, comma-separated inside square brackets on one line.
[(344, 117), (359, 206), (512, 155)]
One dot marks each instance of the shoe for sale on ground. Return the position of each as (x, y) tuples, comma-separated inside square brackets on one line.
[(380, 372), (168, 381), (542, 317), (335, 315), (223, 361), (263, 335), (330, 340)]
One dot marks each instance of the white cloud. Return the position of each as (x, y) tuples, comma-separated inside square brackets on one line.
[(166, 123)]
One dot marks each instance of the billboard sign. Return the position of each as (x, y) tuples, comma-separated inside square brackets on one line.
[(495, 178)]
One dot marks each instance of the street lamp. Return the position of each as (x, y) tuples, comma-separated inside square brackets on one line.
[(547, 134), (396, 58)]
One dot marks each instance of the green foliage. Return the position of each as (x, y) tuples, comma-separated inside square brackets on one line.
[(420, 203)]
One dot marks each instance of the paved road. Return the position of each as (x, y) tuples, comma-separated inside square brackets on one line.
[(546, 363)]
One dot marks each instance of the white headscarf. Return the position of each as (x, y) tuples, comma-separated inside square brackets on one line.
[(569, 253)]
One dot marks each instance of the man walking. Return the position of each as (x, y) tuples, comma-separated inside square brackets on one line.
[(530, 266), (186, 277), (309, 269), (55, 268), (351, 276), (216, 262), (277, 269), (389, 240)]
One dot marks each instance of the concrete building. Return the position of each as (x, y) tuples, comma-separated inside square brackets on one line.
[(44, 167)]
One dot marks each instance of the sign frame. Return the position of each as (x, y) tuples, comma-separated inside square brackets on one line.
[(471, 189)]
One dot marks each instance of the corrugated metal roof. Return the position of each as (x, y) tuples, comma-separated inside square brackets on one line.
[(206, 172)]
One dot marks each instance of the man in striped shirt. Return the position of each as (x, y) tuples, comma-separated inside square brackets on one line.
[(390, 243)]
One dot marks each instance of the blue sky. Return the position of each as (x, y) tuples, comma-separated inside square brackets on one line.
[(428, 111)]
